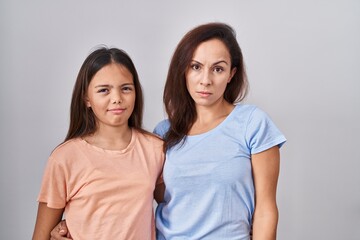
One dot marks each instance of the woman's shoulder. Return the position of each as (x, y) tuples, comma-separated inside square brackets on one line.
[(245, 111), (245, 116), (253, 117), (245, 108), (162, 128)]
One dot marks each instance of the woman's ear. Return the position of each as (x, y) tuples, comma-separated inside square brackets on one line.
[(233, 71), (87, 102)]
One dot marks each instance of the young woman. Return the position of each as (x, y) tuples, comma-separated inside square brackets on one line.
[(104, 174), (222, 157)]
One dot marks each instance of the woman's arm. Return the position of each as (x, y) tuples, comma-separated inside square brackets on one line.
[(265, 167), (46, 220)]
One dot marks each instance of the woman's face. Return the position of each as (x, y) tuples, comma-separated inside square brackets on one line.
[(111, 95), (209, 73)]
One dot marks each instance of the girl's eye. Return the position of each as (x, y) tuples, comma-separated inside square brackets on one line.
[(103, 90), (127, 89)]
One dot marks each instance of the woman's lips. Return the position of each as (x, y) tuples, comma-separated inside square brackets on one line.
[(203, 93)]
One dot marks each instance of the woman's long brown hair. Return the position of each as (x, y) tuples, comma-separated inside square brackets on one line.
[(179, 105)]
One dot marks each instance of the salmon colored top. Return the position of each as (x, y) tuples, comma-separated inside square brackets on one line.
[(106, 194)]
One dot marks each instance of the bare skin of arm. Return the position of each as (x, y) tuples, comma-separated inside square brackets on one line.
[(159, 193), (266, 167), (46, 220)]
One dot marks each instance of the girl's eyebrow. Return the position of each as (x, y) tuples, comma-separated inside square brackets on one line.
[(111, 86), (102, 86)]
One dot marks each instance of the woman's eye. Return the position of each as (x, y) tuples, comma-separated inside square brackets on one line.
[(218, 69), (195, 67)]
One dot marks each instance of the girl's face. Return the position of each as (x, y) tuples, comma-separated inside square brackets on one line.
[(209, 73), (111, 95)]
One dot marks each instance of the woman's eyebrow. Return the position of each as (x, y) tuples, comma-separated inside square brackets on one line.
[(218, 62), (221, 61)]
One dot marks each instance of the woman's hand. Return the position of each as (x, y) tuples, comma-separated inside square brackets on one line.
[(60, 232)]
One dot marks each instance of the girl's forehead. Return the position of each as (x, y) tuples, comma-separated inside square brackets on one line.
[(113, 72)]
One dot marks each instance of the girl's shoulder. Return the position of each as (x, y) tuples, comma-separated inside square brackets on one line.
[(69, 145), (149, 138), (66, 150)]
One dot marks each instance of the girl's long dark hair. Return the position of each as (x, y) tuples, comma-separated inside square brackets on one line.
[(179, 105), (82, 118)]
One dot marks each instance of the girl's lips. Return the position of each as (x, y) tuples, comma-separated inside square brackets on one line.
[(117, 110)]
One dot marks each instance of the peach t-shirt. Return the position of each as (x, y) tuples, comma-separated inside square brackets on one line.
[(106, 194)]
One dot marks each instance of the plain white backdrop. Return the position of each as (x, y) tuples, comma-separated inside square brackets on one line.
[(302, 59)]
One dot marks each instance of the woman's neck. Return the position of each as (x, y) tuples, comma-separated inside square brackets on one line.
[(208, 117)]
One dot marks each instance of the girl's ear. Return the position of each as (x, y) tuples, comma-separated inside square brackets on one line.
[(233, 71)]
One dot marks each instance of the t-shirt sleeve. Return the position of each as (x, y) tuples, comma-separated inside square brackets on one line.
[(261, 132), (53, 187), (162, 128)]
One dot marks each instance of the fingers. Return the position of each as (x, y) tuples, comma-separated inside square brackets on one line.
[(60, 238), (63, 228), (60, 232)]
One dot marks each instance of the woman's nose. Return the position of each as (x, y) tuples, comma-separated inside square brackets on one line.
[(206, 78)]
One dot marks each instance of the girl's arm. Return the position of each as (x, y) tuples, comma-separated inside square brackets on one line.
[(265, 167), (47, 218)]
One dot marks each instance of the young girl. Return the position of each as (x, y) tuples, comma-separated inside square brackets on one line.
[(104, 175)]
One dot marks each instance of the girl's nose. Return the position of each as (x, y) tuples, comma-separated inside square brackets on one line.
[(116, 98)]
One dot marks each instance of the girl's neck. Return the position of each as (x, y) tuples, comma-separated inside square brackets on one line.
[(110, 138)]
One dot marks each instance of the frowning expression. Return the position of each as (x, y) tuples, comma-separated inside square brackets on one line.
[(111, 95), (209, 72)]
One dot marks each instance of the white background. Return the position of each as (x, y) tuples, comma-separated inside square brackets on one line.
[(303, 63)]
